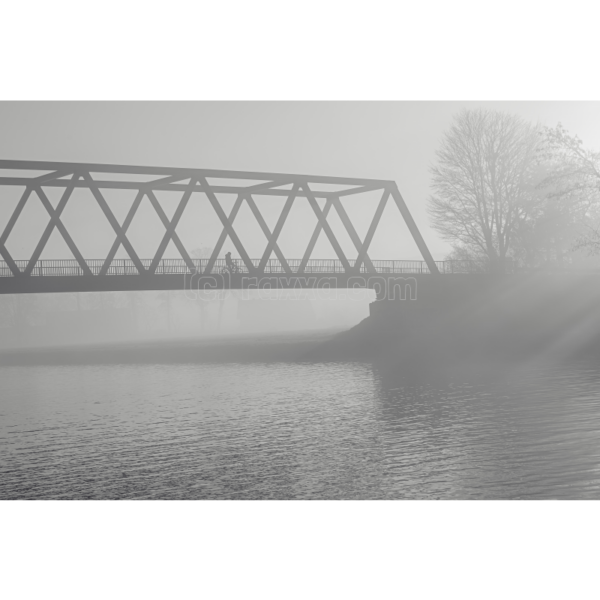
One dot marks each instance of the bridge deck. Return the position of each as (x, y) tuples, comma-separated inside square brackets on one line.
[(49, 276), (71, 268)]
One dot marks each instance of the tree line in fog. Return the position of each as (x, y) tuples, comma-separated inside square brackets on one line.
[(506, 191)]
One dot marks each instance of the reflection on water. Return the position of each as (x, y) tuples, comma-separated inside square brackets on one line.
[(295, 430)]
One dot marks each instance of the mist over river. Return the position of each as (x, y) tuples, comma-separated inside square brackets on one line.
[(91, 423)]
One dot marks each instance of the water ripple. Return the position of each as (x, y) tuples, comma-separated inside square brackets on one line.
[(295, 431)]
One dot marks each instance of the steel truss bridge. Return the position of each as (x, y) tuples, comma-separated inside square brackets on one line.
[(83, 274)]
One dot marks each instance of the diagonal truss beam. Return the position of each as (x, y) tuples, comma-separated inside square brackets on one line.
[(9, 227), (170, 233), (227, 225), (126, 223), (352, 233), (314, 237), (414, 230), (272, 245), (114, 223), (52, 224), (51, 176), (362, 253), (265, 229), (63, 230), (232, 215), (326, 228), (8, 259), (223, 236), (74, 175)]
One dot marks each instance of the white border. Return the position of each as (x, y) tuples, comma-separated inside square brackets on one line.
[(307, 50)]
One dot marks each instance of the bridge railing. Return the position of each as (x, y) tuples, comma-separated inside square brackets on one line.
[(170, 266)]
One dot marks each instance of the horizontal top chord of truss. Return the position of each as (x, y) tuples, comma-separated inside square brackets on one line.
[(171, 178), (36, 175)]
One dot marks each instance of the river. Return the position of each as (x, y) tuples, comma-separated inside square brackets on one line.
[(79, 427)]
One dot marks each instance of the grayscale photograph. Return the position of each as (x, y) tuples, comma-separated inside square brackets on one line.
[(300, 300)]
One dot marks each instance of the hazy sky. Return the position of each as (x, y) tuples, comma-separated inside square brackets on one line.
[(388, 140)]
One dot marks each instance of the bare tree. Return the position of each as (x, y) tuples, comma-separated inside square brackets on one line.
[(574, 180), (483, 182)]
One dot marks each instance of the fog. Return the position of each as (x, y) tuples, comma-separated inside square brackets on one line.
[(306, 393), (380, 140), (394, 141), (46, 320)]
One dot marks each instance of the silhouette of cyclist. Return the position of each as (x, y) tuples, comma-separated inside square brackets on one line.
[(231, 266)]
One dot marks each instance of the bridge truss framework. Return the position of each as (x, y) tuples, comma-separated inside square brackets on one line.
[(34, 274)]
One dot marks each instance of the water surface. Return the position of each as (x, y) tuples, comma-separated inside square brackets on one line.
[(295, 430)]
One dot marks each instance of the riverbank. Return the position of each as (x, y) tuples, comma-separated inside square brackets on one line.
[(271, 347), (454, 323), (476, 323)]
